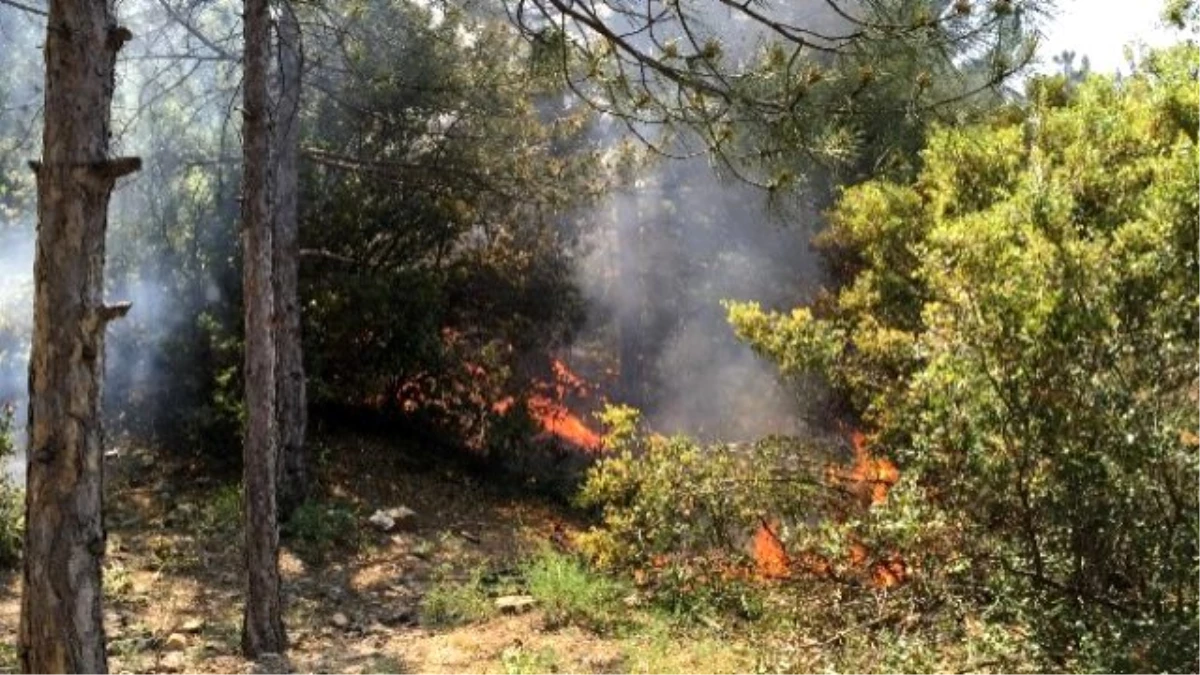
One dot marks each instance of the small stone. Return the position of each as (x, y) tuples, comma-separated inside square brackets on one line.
[(382, 521), (386, 520), (515, 604), (175, 642), (172, 662), (193, 625), (340, 620), (401, 514)]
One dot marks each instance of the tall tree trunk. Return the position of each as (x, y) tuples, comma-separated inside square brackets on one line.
[(291, 402), (61, 627), (262, 627)]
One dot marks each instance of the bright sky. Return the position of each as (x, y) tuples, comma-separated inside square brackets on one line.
[(1100, 29)]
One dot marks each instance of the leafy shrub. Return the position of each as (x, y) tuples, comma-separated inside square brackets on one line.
[(568, 592), (317, 526), (1018, 330), (451, 602)]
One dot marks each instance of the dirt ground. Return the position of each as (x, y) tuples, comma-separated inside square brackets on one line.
[(174, 590)]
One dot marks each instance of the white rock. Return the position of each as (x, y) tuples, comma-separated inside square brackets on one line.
[(387, 519), (382, 521), (176, 642), (515, 604), (401, 513), (340, 620)]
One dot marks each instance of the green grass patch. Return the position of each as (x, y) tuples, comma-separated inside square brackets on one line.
[(568, 592), (522, 661), (454, 603), (317, 527)]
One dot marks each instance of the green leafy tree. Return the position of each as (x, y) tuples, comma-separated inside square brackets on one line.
[(769, 87), (441, 167), (1019, 331)]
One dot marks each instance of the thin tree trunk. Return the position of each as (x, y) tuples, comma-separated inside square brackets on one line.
[(291, 402), (262, 627), (61, 626)]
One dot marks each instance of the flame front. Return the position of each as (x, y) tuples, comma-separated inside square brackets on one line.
[(770, 557), (549, 407), (869, 479), (556, 420), (874, 476)]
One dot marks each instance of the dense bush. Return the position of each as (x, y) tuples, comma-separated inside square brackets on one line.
[(437, 251), (1019, 332)]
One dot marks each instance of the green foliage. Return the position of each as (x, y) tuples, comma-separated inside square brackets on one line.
[(440, 246), (438, 173), (1019, 329), (318, 526), (660, 496), (680, 515), (12, 523), (451, 602), (12, 499), (570, 593), (523, 661), (222, 510)]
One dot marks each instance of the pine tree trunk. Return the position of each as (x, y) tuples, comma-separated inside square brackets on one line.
[(61, 626), (291, 402), (262, 627)]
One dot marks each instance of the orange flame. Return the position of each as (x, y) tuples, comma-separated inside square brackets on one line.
[(549, 407), (870, 479), (770, 557), (556, 420)]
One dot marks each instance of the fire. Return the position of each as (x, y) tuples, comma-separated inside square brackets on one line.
[(770, 557), (549, 407), (556, 420), (869, 478)]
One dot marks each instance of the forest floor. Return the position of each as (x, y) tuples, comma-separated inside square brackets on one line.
[(356, 596)]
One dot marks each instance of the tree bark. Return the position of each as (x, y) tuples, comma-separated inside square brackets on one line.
[(262, 627), (61, 625), (291, 401)]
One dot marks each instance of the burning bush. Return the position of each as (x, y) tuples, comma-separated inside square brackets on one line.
[(778, 509), (1019, 325)]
